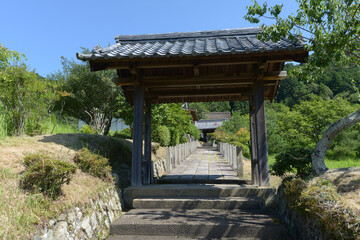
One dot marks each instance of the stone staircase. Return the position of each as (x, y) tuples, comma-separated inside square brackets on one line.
[(198, 211)]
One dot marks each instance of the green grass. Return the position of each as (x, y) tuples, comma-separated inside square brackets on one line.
[(21, 213), (342, 162), (63, 128)]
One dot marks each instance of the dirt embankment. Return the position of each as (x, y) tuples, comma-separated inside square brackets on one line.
[(347, 181)]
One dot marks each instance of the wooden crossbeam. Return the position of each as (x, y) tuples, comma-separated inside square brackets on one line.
[(213, 79)]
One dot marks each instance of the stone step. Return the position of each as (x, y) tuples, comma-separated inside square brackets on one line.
[(144, 237), (197, 191), (197, 223), (168, 180), (248, 203)]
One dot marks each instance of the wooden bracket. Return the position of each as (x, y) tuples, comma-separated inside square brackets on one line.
[(196, 70), (135, 72)]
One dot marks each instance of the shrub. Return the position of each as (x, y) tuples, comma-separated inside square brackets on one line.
[(87, 129), (175, 138), (33, 128), (46, 174), (94, 164), (294, 159), (183, 139), (245, 148), (161, 134), (125, 134), (194, 132)]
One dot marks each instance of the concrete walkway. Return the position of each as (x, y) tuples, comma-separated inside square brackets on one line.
[(206, 163)]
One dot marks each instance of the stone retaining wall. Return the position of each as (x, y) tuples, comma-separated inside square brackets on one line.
[(159, 167), (90, 221)]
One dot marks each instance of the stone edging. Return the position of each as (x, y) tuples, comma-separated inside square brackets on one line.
[(90, 221)]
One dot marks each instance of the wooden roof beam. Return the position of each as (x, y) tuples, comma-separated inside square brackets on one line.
[(215, 79), (190, 63)]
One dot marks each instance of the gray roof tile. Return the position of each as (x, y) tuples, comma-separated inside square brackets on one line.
[(231, 41)]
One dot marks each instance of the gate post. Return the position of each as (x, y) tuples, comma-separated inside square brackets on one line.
[(137, 136), (262, 153)]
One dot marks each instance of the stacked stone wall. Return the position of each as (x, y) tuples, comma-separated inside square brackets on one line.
[(90, 221)]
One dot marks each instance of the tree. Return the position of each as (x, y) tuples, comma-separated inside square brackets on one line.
[(8, 57), (19, 88), (177, 120), (25, 96), (335, 81), (91, 96), (332, 33), (235, 131)]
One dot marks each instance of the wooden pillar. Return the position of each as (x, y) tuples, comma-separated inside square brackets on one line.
[(253, 141), (262, 153), (137, 136), (148, 174)]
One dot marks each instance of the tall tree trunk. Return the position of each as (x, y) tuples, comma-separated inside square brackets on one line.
[(318, 156), (108, 125)]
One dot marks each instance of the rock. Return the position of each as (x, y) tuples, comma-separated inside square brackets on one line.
[(101, 204), (81, 235), (61, 231), (48, 235), (107, 223), (99, 216), (77, 223), (62, 217), (110, 204), (85, 225), (51, 222), (79, 215), (111, 216), (37, 237), (71, 217), (94, 222)]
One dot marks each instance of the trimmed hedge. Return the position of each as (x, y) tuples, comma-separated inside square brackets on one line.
[(46, 174)]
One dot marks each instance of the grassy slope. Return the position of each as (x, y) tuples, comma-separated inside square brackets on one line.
[(21, 212), (345, 175)]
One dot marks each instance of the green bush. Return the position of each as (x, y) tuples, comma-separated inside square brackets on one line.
[(161, 134), (194, 132), (294, 159), (33, 128), (245, 148), (175, 137), (46, 174), (125, 134), (87, 129), (183, 139), (94, 164)]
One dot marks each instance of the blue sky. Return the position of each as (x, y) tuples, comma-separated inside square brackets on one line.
[(46, 30)]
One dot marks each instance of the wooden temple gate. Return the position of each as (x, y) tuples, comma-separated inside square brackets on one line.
[(222, 65)]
